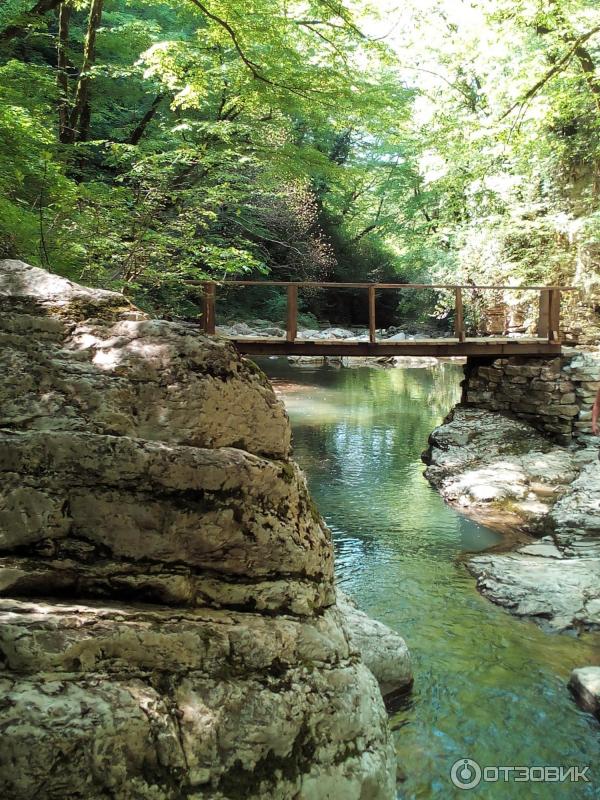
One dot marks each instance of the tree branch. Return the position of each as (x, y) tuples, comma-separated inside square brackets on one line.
[(558, 67), (39, 9), (583, 55), (252, 66), (255, 69), (140, 128)]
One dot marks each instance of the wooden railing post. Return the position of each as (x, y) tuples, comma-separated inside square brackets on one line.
[(291, 329), (543, 314), (554, 316), (459, 323), (372, 319), (208, 308)]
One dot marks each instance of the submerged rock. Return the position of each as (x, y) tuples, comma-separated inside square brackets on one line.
[(585, 685), (167, 599), (383, 650)]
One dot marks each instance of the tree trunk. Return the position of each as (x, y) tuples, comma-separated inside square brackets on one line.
[(140, 128), (62, 78), (586, 62), (79, 121)]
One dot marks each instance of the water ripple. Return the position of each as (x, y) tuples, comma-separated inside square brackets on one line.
[(487, 686)]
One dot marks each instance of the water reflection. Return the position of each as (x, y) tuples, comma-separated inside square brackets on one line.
[(487, 686)]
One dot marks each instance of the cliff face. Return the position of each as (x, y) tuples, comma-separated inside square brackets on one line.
[(169, 626)]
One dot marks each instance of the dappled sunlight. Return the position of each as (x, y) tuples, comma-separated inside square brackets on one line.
[(107, 359), (325, 180), (486, 683)]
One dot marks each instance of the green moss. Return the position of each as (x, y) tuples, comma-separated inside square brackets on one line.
[(507, 505), (314, 511), (256, 370), (288, 473), (90, 309)]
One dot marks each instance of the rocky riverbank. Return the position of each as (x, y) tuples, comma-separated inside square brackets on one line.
[(264, 329), (508, 475), (167, 599)]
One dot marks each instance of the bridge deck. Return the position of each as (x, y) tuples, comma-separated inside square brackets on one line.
[(493, 347)]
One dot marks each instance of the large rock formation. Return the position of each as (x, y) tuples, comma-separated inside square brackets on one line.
[(169, 626), (498, 467), (555, 580)]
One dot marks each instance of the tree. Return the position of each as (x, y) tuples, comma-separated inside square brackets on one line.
[(165, 140)]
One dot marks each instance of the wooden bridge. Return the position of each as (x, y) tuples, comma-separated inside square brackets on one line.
[(545, 343)]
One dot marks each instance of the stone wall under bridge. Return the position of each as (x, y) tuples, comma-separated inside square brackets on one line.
[(555, 395)]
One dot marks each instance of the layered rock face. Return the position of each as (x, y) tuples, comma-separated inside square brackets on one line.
[(169, 626), (504, 472), (503, 466), (555, 580)]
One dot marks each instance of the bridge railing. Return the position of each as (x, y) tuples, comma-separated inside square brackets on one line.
[(549, 302)]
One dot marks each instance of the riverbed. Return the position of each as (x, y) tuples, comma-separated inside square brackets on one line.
[(488, 687)]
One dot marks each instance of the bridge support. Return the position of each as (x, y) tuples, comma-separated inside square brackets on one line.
[(372, 319), (292, 313), (539, 391), (459, 323), (208, 308)]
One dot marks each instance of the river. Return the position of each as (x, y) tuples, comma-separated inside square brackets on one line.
[(488, 687)]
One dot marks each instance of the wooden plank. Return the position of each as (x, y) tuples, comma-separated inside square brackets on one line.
[(543, 314), (208, 308), (372, 319), (441, 348), (291, 328), (496, 343), (554, 316), (459, 324)]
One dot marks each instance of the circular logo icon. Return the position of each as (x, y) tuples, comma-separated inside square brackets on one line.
[(465, 773)]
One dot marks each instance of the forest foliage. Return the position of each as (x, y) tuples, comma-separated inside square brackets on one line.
[(145, 142)]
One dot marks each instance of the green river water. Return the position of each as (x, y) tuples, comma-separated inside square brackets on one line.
[(487, 686)]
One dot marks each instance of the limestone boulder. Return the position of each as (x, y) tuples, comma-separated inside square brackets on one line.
[(106, 368), (487, 463), (557, 579), (539, 582), (585, 685), (146, 702), (168, 619), (383, 650), (335, 333), (181, 525), (507, 474)]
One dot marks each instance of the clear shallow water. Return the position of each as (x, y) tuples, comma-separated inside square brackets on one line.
[(487, 686)]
